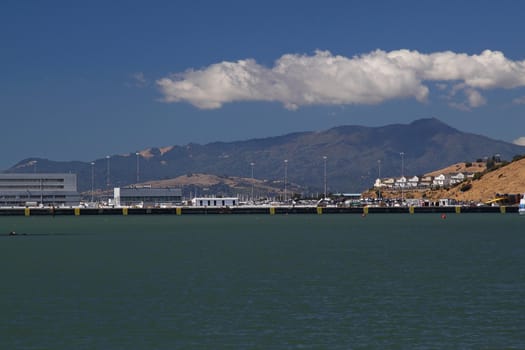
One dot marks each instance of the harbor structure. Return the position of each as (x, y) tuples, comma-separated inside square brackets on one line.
[(215, 201), (38, 189), (147, 196)]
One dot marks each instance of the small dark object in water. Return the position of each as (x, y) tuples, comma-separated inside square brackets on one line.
[(12, 233)]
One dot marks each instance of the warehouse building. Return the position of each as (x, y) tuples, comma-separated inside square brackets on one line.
[(38, 189), (147, 197)]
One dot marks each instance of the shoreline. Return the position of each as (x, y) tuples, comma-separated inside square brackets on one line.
[(277, 210)]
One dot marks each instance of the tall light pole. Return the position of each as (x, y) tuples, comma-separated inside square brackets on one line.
[(92, 180), (41, 191), (107, 173), (138, 177), (402, 154), (285, 177), (324, 159), (252, 164), (379, 177)]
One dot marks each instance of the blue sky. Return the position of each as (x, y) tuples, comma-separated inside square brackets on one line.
[(84, 79)]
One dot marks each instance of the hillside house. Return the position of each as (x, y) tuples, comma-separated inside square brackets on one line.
[(389, 183), (379, 184), (442, 180), (426, 181), (457, 178), (413, 182), (401, 182)]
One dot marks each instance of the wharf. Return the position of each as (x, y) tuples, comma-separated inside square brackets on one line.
[(277, 210)]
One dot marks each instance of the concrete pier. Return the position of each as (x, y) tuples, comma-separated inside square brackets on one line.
[(276, 210)]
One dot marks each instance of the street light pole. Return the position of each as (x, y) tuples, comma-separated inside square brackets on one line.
[(107, 174), (402, 154), (379, 177), (92, 180), (41, 191), (324, 159), (137, 154), (252, 164), (285, 177)]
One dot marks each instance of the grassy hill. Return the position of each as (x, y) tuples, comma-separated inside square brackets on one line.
[(487, 184), (508, 179), (462, 167), (206, 184)]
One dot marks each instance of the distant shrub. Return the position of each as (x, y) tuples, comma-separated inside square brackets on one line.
[(468, 164), (465, 187), (479, 160), (491, 164), (477, 176)]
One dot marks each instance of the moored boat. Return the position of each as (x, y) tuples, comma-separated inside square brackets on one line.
[(521, 209)]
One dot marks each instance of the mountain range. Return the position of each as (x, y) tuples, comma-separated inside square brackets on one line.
[(355, 157)]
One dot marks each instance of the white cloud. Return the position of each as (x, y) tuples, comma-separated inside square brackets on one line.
[(139, 80), (519, 141), (327, 79), (474, 98), (461, 106), (519, 100)]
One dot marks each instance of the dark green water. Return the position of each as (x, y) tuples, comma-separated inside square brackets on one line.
[(263, 282)]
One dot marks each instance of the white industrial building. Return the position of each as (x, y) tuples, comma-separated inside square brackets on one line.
[(38, 189), (215, 201), (146, 196)]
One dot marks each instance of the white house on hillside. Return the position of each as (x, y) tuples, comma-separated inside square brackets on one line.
[(426, 181), (379, 184), (388, 183), (441, 180), (457, 178), (401, 182), (413, 182)]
